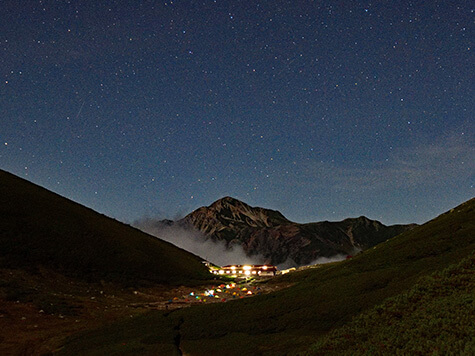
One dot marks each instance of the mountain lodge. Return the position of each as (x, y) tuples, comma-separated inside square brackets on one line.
[(247, 270)]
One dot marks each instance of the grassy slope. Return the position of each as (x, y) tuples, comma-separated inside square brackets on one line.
[(323, 299), (40, 228), (436, 316)]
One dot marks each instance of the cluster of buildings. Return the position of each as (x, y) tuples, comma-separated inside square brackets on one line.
[(246, 270)]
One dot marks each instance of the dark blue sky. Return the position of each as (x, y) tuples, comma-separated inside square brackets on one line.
[(319, 109)]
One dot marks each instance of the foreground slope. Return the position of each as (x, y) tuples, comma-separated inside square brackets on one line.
[(41, 229), (322, 299), (436, 316), (268, 233)]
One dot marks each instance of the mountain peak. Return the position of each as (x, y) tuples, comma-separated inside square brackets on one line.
[(227, 200), (230, 199), (232, 214)]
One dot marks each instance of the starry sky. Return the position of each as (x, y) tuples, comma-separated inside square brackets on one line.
[(319, 109)]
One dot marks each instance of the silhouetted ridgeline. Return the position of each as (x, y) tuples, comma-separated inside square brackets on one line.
[(41, 228)]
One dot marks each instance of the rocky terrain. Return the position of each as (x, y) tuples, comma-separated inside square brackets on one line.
[(269, 234)]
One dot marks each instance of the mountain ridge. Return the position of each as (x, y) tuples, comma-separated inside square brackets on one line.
[(39, 228), (268, 233)]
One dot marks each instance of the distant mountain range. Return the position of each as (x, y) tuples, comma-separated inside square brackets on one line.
[(269, 234)]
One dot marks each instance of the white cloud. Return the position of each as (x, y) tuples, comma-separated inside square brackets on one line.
[(194, 242), (441, 162)]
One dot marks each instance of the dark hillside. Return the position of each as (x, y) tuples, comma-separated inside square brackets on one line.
[(40, 228), (436, 316)]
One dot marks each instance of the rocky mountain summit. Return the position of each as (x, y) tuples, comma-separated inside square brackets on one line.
[(269, 234), (227, 217)]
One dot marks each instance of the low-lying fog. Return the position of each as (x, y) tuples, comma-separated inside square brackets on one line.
[(214, 251), (195, 242)]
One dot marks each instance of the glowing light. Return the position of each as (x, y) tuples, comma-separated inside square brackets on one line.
[(246, 268), (264, 267), (247, 273)]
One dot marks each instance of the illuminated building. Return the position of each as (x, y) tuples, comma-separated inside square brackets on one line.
[(247, 270)]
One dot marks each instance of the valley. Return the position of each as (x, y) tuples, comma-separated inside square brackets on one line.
[(74, 282), (40, 310)]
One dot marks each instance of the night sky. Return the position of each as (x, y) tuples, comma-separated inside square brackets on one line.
[(320, 109)]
